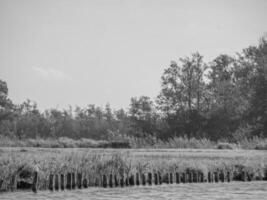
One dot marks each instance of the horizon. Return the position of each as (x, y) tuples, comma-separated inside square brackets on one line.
[(61, 53)]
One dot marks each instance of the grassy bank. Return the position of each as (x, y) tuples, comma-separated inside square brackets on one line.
[(134, 142), (22, 162)]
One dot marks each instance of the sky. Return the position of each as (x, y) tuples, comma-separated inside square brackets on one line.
[(79, 52)]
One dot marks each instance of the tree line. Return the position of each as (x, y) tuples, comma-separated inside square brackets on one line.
[(223, 99)]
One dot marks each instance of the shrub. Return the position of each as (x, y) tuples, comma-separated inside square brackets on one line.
[(226, 146)]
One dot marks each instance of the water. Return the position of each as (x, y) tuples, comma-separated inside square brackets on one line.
[(218, 191)]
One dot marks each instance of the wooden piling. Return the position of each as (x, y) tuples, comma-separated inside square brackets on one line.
[(143, 179), (160, 178), (183, 179), (195, 177), (79, 180), (73, 180), (68, 186), (210, 177), (137, 178), (122, 183), (201, 177), (56, 182), (85, 182), (228, 177), (190, 177), (104, 181), (221, 176), (34, 183), (110, 180), (149, 179), (156, 181), (171, 178), (216, 177), (178, 178), (62, 182), (127, 181), (244, 176), (51, 182), (116, 181)]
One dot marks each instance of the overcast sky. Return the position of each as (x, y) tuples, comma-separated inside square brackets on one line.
[(75, 52)]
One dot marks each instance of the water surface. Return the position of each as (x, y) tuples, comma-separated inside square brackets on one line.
[(218, 191)]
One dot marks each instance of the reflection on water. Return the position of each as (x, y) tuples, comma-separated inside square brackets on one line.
[(234, 190)]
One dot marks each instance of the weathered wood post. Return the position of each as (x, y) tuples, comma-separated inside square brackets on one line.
[(216, 177), (79, 180), (62, 182), (68, 186), (190, 177), (228, 177), (160, 178), (221, 176), (104, 181), (56, 182), (201, 177), (116, 181), (137, 179), (244, 176), (122, 183), (34, 183), (85, 181), (171, 178), (97, 181), (178, 178), (143, 179), (127, 181), (51, 182), (183, 177), (73, 182), (149, 178), (195, 177), (111, 180), (156, 181)]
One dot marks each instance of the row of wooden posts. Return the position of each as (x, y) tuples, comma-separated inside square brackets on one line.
[(79, 180)]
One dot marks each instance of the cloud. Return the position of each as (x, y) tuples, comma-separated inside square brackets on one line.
[(52, 74)]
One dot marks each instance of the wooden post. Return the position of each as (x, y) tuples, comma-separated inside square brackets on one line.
[(171, 178), (156, 181), (34, 183), (209, 177), (265, 175), (68, 186), (56, 182), (244, 176), (160, 178), (183, 177), (51, 182), (85, 181), (195, 177), (116, 181), (97, 182), (149, 178), (228, 176), (73, 177), (132, 180), (62, 182), (122, 181), (110, 180), (178, 178), (137, 179), (216, 177), (221, 176), (143, 179), (104, 181), (127, 181), (79, 180), (190, 177), (201, 177)]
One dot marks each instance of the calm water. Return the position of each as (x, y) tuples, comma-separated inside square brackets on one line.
[(222, 191)]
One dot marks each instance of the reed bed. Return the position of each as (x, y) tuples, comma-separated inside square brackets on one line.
[(23, 162)]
